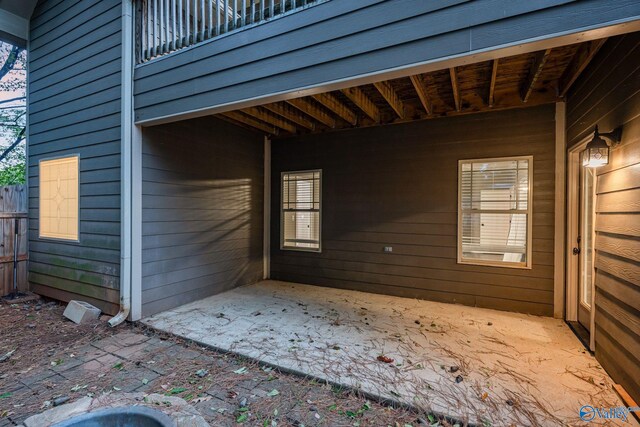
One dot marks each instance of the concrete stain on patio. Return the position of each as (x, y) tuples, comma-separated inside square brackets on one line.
[(478, 365)]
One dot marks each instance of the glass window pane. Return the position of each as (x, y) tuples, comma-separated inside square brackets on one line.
[(494, 200), (301, 207)]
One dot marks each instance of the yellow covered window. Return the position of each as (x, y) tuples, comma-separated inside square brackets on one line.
[(59, 201)]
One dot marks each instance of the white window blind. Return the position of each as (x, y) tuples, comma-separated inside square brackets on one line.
[(494, 212), (59, 213), (301, 210)]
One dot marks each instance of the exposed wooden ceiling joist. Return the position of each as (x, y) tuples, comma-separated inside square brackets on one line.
[(337, 107), (580, 60), (492, 83), (455, 87), (250, 121), (310, 109), (269, 117), (391, 97), (290, 113), (418, 85), (534, 73), (362, 101)]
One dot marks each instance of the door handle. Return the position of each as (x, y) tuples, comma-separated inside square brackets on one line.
[(576, 251)]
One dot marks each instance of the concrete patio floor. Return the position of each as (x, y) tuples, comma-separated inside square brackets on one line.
[(478, 365)]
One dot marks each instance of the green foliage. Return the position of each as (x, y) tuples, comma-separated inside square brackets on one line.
[(13, 175)]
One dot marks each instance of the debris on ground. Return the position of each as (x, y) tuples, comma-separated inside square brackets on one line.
[(385, 359), (57, 362)]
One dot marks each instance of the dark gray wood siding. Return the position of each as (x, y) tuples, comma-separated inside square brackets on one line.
[(397, 186), (608, 94), (74, 108), (345, 39), (202, 229)]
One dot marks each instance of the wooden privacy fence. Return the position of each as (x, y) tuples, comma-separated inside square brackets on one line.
[(13, 217)]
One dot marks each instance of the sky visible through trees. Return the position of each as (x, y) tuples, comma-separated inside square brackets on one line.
[(13, 82)]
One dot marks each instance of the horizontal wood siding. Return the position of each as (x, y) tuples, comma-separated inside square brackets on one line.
[(202, 212), (397, 186), (608, 94), (74, 108), (341, 40)]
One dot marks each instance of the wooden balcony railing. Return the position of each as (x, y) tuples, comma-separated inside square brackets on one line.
[(164, 26)]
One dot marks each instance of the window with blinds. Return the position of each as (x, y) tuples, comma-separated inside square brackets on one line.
[(59, 189), (301, 210), (494, 212)]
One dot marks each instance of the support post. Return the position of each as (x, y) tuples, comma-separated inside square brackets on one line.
[(559, 219), (267, 210)]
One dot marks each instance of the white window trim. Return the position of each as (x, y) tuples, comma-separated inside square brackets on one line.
[(289, 248), (50, 238), (504, 264)]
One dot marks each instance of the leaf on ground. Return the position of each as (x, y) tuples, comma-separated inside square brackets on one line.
[(385, 359), (240, 371), (119, 366), (145, 381), (242, 418), (57, 362), (273, 392), (7, 355), (202, 373), (177, 390), (116, 388), (78, 387), (5, 395)]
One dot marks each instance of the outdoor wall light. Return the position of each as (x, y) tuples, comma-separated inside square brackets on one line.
[(597, 152)]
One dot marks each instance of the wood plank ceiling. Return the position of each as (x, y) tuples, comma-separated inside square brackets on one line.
[(511, 82)]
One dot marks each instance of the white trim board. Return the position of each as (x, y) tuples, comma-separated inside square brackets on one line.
[(560, 216)]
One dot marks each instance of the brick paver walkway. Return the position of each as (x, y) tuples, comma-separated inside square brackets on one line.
[(226, 390)]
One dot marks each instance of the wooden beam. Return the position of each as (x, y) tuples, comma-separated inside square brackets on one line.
[(250, 121), (392, 98), (455, 87), (308, 108), (534, 73), (579, 62), (421, 90), (492, 84), (268, 117), (362, 101), (284, 110), (627, 399), (337, 107)]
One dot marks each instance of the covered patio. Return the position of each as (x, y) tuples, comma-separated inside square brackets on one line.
[(478, 365)]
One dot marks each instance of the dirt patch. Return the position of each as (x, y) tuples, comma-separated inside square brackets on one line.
[(52, 360)]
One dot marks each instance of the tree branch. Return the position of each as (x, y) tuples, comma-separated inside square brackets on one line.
[(10, 62), (4, 101), (14, 145)]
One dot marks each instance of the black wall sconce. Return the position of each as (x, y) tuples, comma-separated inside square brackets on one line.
[(597, 152)]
